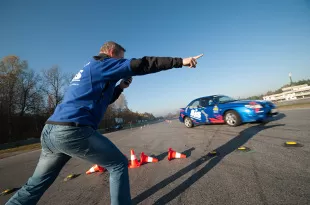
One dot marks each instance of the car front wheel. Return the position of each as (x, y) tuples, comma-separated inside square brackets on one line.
[(188, 122), (232, 118)]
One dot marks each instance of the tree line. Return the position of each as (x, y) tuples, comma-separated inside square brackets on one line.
[(28, 98)]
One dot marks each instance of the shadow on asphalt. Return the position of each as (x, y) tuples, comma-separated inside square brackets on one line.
[(278, 117), (222, 151)]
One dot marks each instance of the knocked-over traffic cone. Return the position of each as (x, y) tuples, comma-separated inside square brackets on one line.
[(95, 168), (144, 158), (173, 154), (133, 160)]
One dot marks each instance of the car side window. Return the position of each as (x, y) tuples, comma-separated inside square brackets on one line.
[(215, 100), (224, 99), (204, 102), (194, 104)]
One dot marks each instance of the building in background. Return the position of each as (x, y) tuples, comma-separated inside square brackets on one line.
[(290, 93)]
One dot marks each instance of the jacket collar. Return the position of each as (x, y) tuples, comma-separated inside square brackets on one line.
[(101, 56)]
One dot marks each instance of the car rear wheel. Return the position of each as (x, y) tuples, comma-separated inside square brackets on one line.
[(188, 122), (232, 118)]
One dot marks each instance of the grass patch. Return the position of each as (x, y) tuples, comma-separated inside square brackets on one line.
[(102, 131), (303, 105), (22, 148)]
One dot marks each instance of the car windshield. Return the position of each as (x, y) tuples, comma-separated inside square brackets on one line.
[(225, 99)]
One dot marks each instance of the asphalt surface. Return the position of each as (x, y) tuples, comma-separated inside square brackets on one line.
[(267, 174)]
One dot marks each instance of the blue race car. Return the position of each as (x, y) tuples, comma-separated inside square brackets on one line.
[(217, 109)]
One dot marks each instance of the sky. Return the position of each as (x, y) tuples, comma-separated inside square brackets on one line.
[(249, 46)]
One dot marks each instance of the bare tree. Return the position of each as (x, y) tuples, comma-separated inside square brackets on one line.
[(27, 91), (10, 69), (54, 83), (121, 103)]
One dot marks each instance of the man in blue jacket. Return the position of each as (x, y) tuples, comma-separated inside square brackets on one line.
[(71, 130)]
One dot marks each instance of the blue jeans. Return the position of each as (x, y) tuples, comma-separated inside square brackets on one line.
[(59, 144)]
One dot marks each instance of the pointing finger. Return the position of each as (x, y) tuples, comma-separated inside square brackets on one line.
[(196, 57)]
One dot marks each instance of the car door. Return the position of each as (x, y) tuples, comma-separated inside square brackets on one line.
[(214, 110), (205, 109), (195, 111)]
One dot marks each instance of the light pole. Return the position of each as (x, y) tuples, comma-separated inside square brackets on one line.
[(290, 76)]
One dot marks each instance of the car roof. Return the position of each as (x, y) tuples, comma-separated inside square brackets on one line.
[(220, 95), (205, 97)]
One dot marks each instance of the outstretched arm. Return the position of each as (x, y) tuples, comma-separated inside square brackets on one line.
[(148, 65)]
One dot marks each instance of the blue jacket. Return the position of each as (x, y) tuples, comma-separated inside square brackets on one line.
[(93, 88)]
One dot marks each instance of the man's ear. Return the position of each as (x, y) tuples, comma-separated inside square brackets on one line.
[(110, 53)]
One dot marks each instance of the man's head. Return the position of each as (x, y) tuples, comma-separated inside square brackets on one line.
[(112, 49)]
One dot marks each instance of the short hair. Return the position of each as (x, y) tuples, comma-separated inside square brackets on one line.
[(110, 45)]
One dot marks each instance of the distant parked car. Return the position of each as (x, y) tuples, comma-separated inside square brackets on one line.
[(118, 127), (114, 128), (217, 109)]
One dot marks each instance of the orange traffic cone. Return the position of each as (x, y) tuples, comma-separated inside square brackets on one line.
[(173, 154), (95, 168), (133, 160), (144, 158)]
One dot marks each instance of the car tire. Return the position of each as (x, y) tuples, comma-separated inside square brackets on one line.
[(188, 122), (232, 118)]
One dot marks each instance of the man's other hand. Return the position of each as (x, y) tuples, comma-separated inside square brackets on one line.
[(125, 83)]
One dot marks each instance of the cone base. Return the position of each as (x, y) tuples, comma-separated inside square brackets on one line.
[(133, 166)]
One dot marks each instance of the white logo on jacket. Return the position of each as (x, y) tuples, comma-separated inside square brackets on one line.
[(78, 76)]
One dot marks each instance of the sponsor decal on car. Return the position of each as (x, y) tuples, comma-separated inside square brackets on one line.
[(215, 109), (195, 114)]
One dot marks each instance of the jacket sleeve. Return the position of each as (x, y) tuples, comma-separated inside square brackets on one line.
[(117, 92), (115, 69), (147, 65)]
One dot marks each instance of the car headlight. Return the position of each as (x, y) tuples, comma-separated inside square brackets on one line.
[(256, 106)]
